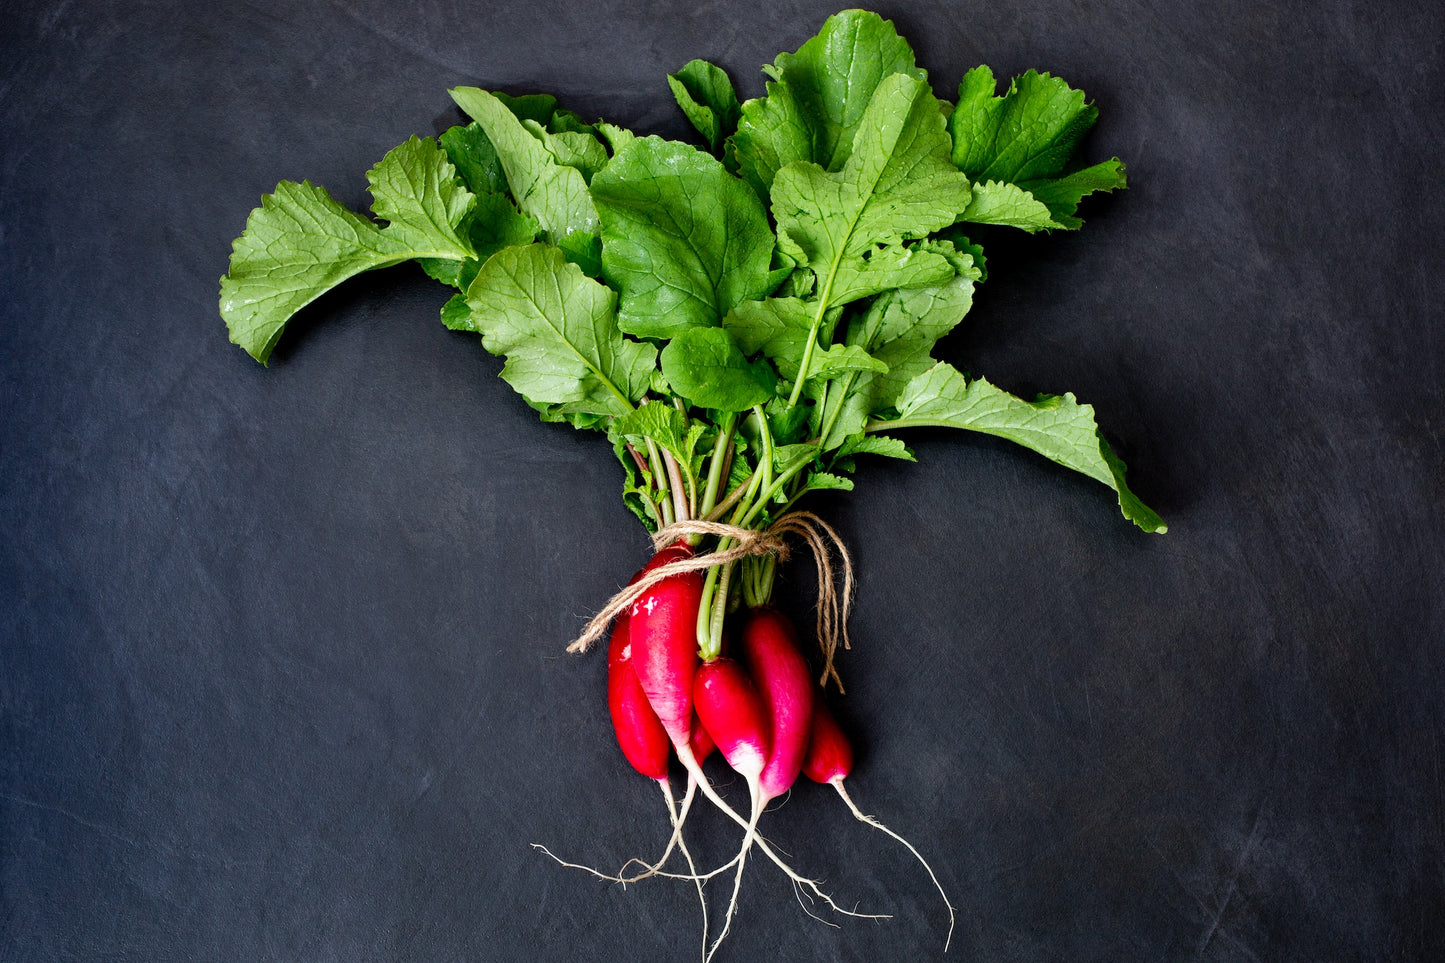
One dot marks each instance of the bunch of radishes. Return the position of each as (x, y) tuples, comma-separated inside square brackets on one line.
[(743, 320), (762, 711)]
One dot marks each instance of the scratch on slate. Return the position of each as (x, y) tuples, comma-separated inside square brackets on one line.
[(1233, 883)]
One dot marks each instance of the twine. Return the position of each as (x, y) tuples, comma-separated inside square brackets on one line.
[(833, 604)]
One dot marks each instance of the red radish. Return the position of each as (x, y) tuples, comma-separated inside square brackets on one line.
[(664, 643), (777, 665), (732, 712), (830, 754), (830, 760), (639, 732)]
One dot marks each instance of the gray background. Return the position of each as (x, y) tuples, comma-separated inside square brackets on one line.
[(281, 668)]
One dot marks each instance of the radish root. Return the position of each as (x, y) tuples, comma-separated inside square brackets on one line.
[(838, 785), (742, 861), (690, 762)]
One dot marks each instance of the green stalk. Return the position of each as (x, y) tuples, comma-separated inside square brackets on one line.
[(719, 613), (766, 572), (708, 645), (734, 496), (827, 428), (714, 470), (767, 496), (767, 460), (679, 490), (659, 478), (643, 467)]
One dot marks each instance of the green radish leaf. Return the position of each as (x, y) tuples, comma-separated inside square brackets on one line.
[(705, 367), (818, 96), (585, 251), (801, 283), (788, 457), (552, 193), (538, 108), (842, 359), (1026, 139), (684, 240), (707, 98), (778, 327), (300, 243), (1055, 426), (787, 424), (822, 481), (475, 159), (668, 427), (415, 188), (839, 409), (492, 224), (575, 149), (862, 444), (557, 329), (457, 315), (902, 326), (995, 202), (1061, 195), (561, 414), (899, 330), (898, 183), (616, 137)]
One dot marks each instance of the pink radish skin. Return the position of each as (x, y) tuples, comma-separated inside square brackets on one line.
[(770, 647), (830, 760), (639, 732), (663, 630)]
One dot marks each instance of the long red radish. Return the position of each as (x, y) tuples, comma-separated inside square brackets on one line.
[(664, 643), (639, 732), (647, 746), (830, 760), (733, 713), (777, 666)]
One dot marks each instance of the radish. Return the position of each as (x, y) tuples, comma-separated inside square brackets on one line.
[(639, 732), (829, 761), (731, 710), (642, 738), (664, 643), (777, 665), (701, 743), (646, 744), (733, 713)]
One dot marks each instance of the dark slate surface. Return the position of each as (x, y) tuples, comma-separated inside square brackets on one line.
[(282, 672)]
